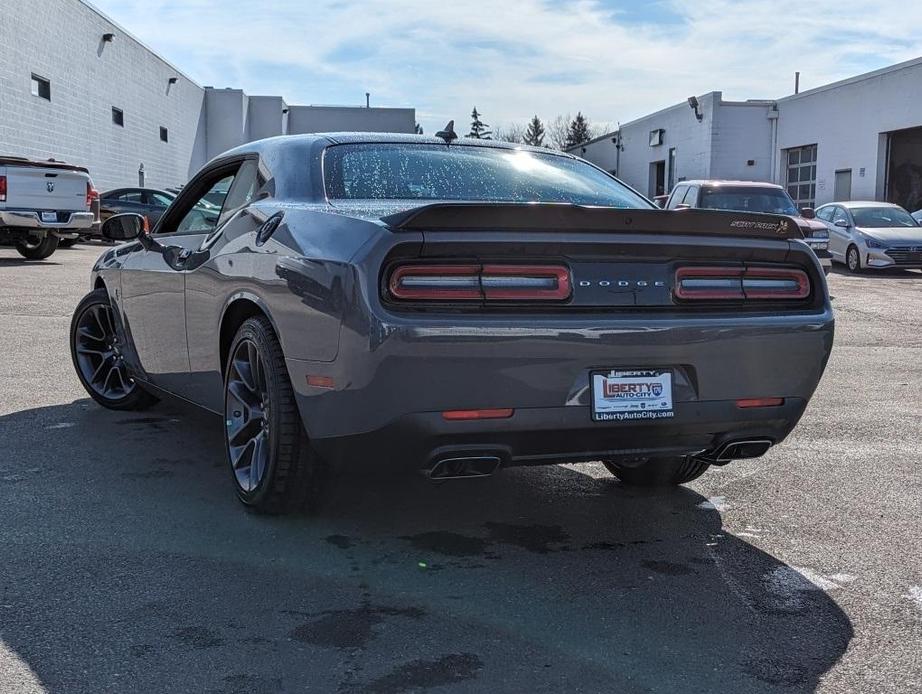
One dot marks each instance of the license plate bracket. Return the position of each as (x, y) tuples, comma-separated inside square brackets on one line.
[(619, 395)]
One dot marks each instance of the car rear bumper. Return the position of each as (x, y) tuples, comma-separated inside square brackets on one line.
[(551, 435), (30, 219), (386, 399)]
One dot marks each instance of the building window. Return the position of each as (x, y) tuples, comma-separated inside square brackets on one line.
[(800, 178), (118, 117), (41, 87), (164, 134)]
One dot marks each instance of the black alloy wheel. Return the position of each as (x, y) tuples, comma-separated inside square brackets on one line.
[(98, 356), (274, 468)]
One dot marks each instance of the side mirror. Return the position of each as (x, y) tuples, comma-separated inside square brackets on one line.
[(841, 223), (123, 227), (808, 213)]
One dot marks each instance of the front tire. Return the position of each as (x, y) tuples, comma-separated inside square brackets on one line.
[(37, 247), (273, 467), (97, 356), (853, 259), (658, 472)]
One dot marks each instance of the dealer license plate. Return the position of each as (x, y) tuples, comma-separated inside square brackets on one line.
[(619, 396), (49, 216)]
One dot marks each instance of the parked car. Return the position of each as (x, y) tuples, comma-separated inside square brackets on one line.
[(147, 202), (392, 300), (751, 196), (42, 203), (872, 235)]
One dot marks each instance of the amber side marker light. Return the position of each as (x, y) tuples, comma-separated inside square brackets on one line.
[(460, 415), (760, 402), (321, 381)]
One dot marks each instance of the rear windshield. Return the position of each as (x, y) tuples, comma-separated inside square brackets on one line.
[(748, 199), (882, 217), (439, 172)]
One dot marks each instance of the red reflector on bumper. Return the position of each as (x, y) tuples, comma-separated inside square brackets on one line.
[(760, 402), (321, 381), (502, 413)]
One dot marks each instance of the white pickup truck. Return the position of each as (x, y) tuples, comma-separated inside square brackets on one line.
[(43, 202)]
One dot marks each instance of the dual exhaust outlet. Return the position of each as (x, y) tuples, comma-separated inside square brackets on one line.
[(467, 467)]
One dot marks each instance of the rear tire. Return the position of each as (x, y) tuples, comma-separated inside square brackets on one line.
[(658, 472), (272, 464), (32, 248)]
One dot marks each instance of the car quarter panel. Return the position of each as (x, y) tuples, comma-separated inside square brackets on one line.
[(299, 277)]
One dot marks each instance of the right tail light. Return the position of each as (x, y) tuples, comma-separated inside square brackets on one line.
[(2, 188), (741, 284)]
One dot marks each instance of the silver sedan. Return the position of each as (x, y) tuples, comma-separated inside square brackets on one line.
[(874, 235)]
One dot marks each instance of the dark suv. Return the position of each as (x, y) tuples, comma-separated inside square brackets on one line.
[(753, 196)]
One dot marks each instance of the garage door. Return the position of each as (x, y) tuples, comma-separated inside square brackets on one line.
[(904, 170)]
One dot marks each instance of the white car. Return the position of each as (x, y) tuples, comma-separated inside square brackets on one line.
[(875, 235), (43, 202)]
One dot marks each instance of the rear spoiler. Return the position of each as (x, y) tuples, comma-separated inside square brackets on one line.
[(464, 216), (50, 164)]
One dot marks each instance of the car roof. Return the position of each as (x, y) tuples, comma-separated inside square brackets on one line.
[(133, 188), (339, 138), (852, 204), (729, 183)]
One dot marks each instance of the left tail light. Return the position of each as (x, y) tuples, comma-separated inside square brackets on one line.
[(2, 188), (495, 282), (92, 195), (741, 284)]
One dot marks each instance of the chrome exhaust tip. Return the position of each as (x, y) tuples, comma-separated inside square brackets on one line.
[(464, 467), (738, 450)]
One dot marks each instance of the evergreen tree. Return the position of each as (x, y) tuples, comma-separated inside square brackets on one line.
[(578, 131), (419, 129), (479, 129), (534, 134)]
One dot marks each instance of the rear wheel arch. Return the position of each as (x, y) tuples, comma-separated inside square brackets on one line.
[(239, 308)]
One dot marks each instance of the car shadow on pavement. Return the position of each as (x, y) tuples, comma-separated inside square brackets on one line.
[(129, 566)]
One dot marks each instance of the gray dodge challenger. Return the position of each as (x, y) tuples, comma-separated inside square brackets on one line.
[(386, 302)]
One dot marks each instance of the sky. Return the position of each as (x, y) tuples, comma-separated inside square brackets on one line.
[(614, 60)]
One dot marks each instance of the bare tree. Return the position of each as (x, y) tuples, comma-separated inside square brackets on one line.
[(557, 131), (514, 132)]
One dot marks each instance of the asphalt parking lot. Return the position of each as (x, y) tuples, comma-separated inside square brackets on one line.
[(128, 566)]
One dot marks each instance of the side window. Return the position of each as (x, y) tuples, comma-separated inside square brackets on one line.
[(202, 217), (242, 192), (159, 199), (691, 196), (132, 196), (676, 197), (839, 215), (825, 213)]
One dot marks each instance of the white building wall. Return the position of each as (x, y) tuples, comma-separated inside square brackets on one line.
[(742, 134), (690, 137), (847, 120), (61, 40), (322, 119)]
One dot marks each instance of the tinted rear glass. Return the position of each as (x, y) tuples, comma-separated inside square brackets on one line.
[(439, 172), (748, 199)]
